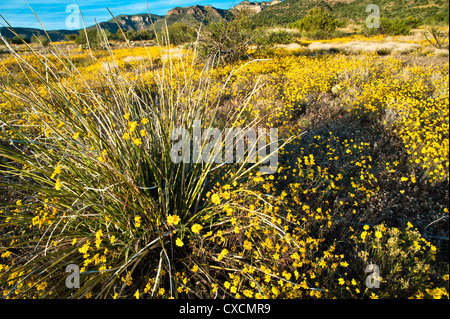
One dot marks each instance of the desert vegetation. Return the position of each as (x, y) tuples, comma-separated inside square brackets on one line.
[(88, 178)]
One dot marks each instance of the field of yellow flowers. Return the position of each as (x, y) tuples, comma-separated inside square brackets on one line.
[(86, 176)]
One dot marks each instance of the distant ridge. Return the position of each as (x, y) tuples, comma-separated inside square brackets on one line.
[(55, 35), (190, 15), (130, 22), (287, 11)]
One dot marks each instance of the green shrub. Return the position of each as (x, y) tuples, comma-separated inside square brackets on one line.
[(318, 24), (180, 33), (41, 39), (140, 35), (89, 38), (19, 40), (279, 37), (317, 19), (71, 37), (390, 27), (412, 22), (94, 38), (396, 27), (383, 51)]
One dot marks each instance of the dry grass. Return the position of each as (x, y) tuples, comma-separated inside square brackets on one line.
[(371, 47)]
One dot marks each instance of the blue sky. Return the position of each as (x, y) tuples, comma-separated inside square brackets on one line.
[(53, 15)]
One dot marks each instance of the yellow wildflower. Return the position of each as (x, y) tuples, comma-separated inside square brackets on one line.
[(173, 220), (137, 141), (132, 126), (56, 171), (137, 221), (215, 199), (179, 242), (58, 184), (196, 228)]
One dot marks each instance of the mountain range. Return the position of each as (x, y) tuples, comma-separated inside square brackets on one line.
[(269, 13)]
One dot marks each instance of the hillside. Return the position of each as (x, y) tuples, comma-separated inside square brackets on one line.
[(205, 14), (265, 13), (287, 11), (190, 15), (55, 35), (435, 11)]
